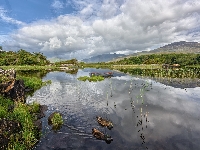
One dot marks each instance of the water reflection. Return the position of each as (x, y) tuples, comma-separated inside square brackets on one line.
[(145, 114)]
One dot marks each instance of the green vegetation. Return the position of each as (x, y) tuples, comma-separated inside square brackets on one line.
[(34, 83), (71, 61), (92, 78), (94, 65), (28, 67), (57, 121), (142, 66), (25, 115), (22, 57), (165, 73), (173, 58)]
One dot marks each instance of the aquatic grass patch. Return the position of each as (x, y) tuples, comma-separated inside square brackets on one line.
[(56, 120), (92, 78)]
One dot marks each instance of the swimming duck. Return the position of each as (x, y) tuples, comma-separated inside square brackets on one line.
[(101, 136), (104, 122)]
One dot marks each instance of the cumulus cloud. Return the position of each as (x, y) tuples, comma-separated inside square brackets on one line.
[(110, 26)]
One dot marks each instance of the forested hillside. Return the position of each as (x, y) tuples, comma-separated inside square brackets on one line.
[(22, 57)]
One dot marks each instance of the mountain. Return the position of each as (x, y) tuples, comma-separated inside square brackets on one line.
[(179, 47), (103, 58), (176, 47)]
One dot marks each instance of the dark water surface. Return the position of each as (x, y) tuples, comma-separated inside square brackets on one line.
[(146, 114)]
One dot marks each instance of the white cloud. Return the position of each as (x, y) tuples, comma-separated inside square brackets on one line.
[(111, 26), (52, 44), (8, 19), (57, 4)]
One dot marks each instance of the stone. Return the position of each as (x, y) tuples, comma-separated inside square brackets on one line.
[(14, 90), (10, 87)]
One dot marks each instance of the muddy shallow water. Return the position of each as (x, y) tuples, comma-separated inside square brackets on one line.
[(146, 114)]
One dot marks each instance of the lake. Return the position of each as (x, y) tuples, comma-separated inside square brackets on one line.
[(146, 113)]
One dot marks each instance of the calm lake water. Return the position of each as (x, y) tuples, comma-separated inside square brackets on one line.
[(146, 114)]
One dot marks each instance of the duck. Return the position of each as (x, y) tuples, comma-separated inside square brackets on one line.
[(104, 122), (101, 136)]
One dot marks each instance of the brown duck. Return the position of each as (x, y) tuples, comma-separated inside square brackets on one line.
[(101, 136), (105, 123)]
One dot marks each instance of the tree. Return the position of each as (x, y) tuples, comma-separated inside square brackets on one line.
[(1, 48)]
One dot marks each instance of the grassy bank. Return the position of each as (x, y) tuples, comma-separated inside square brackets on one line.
[(28, 67), (25, 114), (33, 82)]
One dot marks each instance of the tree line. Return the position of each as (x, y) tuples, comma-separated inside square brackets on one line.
[(71, 61), (182, 59), (22, 57)]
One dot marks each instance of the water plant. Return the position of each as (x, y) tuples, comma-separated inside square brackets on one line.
[(56, 120), (92, 78)]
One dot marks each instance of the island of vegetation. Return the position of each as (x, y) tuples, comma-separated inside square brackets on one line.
[(91, 79)]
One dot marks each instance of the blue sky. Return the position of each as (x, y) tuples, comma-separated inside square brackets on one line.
[(85, 28)]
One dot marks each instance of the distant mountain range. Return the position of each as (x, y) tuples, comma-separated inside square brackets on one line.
[(176, 47), (180, 47), (103, 58)]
